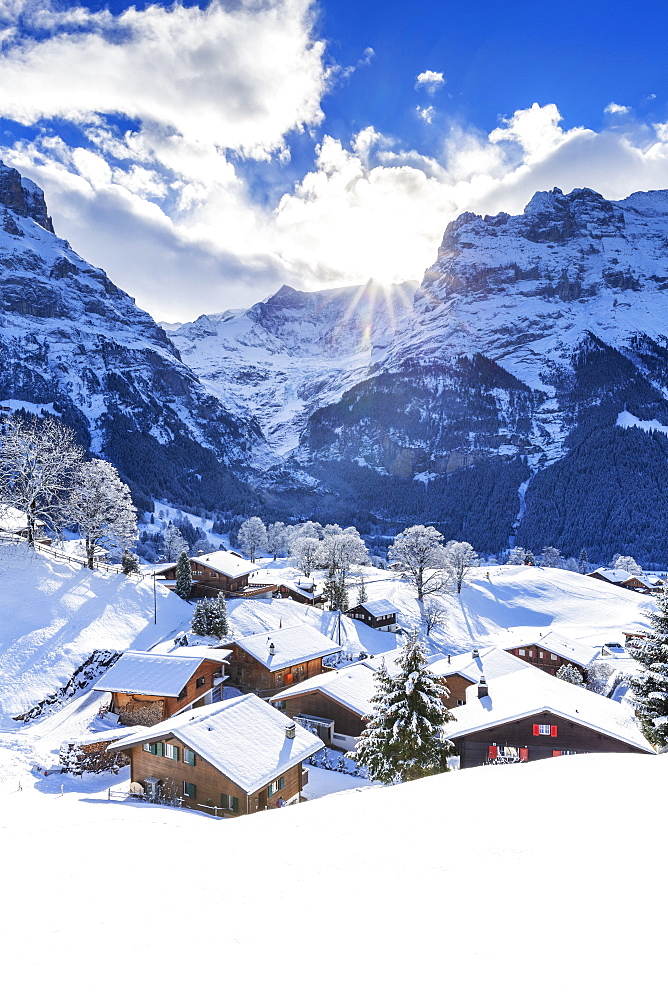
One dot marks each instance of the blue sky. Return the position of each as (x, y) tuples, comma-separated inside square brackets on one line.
[(204, 155)]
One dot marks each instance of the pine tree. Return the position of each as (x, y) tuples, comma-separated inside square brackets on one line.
[(184, 580), (200, 620), (129, 563), (222, 625), (570, 674), (583, 560), (361, 592), (650, 684), (402, 739)]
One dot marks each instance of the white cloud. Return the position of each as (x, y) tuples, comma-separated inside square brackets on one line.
[(617, 109), (426, 114), (430, 80)]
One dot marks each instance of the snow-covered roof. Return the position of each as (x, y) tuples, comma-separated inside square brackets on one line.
[(12, 519), (109, 735), (380, 607), (290, 646), (489, 662), (201, 652), (244, 738), (227, 563), (529, 691), (553, 642), (612, 575), (352, 687), (164, 675)]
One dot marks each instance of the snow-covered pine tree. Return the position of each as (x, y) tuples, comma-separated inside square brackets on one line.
[(200, 623), (650, 685), (570, 674), (583, 560), (129, 563), (184, 580), (403, 739), (362, 595), (222, 625)]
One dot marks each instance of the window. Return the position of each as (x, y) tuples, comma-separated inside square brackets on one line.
[(171, 752), (542, 655), (200, 682), (155, 748), (553, 656), (230, 802), (460, 702), (271, 789), (544, 730), (279, 679), (189, 757), (522, 652), (281, 784), (189, 790)]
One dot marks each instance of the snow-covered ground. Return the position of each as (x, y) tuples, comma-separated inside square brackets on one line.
[(466, 883)]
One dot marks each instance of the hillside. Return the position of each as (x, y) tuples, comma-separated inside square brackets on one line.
[(463, 883), (54, 615)]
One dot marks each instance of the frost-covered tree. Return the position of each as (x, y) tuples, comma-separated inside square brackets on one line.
[(341, 549), (304, 545), (583, 561), (362, 595), (38, 463), (173, 543), (277, 539), (403, 736), (460, 558), (129, 563), (100, 505), (252, 535), (335, 593), (210, 617), (529, 558), (516, 556), (550, 556), (184, 579), (433, 615), (419, 555), (570, 674), (650, 684), (628, 565)]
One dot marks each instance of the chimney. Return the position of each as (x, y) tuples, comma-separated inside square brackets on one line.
[(475, 654), (272, 649), (290, 731), (483, 690)]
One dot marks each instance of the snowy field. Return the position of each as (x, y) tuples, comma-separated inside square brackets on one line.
[(496, 882)]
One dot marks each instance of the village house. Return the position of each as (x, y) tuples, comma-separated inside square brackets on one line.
[(548, 651), (461, 670), (241, 756), (332, 704), (641, 583), (146, 688), (219, 572), (270, 661), (376, 614), (14, 522), (303, 592), (529, 715)]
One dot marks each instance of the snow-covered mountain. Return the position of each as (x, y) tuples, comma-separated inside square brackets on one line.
[(296, 351), (73, 341)]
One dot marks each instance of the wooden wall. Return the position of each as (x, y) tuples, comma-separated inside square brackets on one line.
[(544, 659), (245, 671), (346, 722), (147, 709)]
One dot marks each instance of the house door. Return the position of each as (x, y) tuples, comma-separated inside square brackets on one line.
[(262, 799)]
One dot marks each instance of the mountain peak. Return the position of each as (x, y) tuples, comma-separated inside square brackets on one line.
[(23, 197)]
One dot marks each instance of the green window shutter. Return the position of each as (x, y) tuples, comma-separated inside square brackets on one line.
[(235, 804), (225, 801), (175, 753), (281, 784), (271, 790), (159, 749), (152, 748), (189, 757), (189, 790)]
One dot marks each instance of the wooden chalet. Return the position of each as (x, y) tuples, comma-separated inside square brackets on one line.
[(302, 593), (219, 572), (529, 715), (271, 661), (14, 522), (149, 687), (241, 756), (550, 651), (641, 583), (332, 704), (464, 669), (376, 614)]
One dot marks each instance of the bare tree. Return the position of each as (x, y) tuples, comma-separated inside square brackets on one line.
[(433, 616), (252, 536), (419, 555), (101, 506), (460, 557), (38, 462), (277, 539), (341, 549), (304, 543), (174, 543)]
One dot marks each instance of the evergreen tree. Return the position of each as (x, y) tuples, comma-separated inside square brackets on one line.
[(184, 580), (650, 684), (583, 561), (222, 625), (210, 617), (362, 595), (570, 674), (402, 739), (129, 563), (200, 620)]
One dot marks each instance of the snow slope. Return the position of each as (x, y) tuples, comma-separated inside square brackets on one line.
[(456, 890), (54, 615)]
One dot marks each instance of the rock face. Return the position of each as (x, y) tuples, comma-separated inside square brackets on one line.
[(74, 342)]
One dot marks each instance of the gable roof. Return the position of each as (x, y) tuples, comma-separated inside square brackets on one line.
[(244, 738), (228, 563), (291, 646), (12, 519), (553, 642), (490, 662), (528, 691), (378, 608), (161, 674), (353, 687)]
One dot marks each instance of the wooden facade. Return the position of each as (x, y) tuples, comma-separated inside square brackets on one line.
[(300, 595), (457, 686), (385, 622), (149, 709), (209, 582), (211, 786), (565, 737), (249, 674), (318, 703), (537, 656)]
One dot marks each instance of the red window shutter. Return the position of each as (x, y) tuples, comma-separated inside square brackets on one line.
[(553, 730), (492, 753), (536, 730), (524, 753), (556, 753)]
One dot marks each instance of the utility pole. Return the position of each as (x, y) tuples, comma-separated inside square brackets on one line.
[(155, 602)]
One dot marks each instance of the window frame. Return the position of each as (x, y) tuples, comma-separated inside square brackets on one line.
[(187, 754), (186, 793), (171, 752)]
